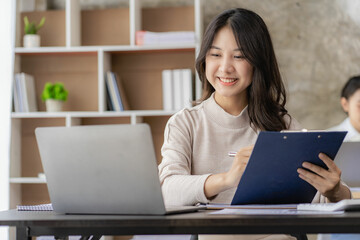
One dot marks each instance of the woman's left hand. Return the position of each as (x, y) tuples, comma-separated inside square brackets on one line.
[(327, 182)]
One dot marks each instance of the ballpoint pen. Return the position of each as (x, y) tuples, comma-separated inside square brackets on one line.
[(232, 154)]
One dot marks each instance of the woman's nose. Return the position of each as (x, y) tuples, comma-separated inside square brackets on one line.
[(226, 65)]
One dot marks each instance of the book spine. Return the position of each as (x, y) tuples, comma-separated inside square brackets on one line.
[(30, 98), (123, 98), (20, 94), (110, 84), (153, 38), (167, 90), (16, 94), (109, 103), (117, 93), (24, 92), (178, 89), (187, 88)]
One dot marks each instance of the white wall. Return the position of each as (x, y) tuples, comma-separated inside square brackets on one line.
[(6, 72)]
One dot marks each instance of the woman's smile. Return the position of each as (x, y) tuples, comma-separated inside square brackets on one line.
[(227, 81)]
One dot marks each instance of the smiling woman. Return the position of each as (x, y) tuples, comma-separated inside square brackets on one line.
[(5, 98), (243, 94), (246, 46)]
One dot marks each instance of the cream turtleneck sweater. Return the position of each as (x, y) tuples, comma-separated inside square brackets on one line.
[(196, 144)]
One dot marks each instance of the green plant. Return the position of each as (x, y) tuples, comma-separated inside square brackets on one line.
[(31, 27), (55, 91)]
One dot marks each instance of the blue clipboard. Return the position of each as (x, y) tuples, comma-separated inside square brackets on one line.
[(271, 175)]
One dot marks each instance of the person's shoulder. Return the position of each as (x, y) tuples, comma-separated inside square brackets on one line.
[(186, 116), (292, 123), (340, 127), (335, 128)]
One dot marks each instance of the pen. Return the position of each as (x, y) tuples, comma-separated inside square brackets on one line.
[(232, 154)]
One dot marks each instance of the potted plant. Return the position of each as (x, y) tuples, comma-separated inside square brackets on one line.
[(54, 94), (31, 38)]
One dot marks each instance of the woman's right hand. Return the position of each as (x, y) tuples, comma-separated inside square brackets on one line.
[(233, 176), (220, 182)]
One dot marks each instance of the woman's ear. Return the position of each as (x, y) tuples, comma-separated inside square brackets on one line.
[(345, 104)]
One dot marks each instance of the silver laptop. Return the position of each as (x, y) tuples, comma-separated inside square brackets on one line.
[(348, 160), (105, 169)]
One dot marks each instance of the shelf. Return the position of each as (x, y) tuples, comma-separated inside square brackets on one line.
[(129, 113), (124, 48), (79, 46), (28, 180)]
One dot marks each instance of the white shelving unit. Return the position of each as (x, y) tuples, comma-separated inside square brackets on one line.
[(72, 53)]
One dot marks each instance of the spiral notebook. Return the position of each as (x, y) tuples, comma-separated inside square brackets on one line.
[(41, 207)]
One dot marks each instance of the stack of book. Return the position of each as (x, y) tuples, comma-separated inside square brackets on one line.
[(177, 89), (116, 97), (24, 93), (157, 38)]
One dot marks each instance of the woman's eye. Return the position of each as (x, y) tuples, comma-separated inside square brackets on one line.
[(214, 54), (239, 57)]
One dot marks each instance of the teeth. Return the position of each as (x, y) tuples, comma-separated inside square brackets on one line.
[(227, 80)]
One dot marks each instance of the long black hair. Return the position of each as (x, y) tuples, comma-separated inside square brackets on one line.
[(266, 93)]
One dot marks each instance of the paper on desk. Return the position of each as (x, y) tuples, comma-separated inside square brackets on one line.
[(216, 206), (230, 211)]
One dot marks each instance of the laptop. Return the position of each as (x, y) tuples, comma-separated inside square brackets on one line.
[(102, 169), (348, 160)]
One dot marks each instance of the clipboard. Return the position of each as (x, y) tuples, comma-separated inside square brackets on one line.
[(271, 175)]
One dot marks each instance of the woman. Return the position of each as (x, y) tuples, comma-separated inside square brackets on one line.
[(242, 94)]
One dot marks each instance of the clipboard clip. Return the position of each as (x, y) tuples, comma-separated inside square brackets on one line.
[(289, 131), (302, 130)]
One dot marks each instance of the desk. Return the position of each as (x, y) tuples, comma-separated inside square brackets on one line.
[(49, 223)]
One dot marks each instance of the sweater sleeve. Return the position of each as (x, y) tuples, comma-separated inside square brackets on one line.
[(179, 187)]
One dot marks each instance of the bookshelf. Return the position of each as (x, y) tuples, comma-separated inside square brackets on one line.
[(78, 46)]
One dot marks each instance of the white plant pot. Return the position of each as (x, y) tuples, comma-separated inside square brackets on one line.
[(53, 105), (31, 40)]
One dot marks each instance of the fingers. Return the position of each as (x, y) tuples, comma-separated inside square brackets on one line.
[(325, 181), (329, 163), (310, 177), (316, 169), (332, 168), (328, 187)]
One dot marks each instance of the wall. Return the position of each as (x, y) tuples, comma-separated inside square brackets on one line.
[(6, 73), (317, 44)]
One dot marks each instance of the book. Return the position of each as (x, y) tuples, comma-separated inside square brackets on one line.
[(41, 207), (167, 90), (187, 88), (112, 90), (178, 89), (24, 93), (16, 94), (109, 103), (116, 93), (28, 86), (271, 174), (20, 93), (123, 98), (156, 38)]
